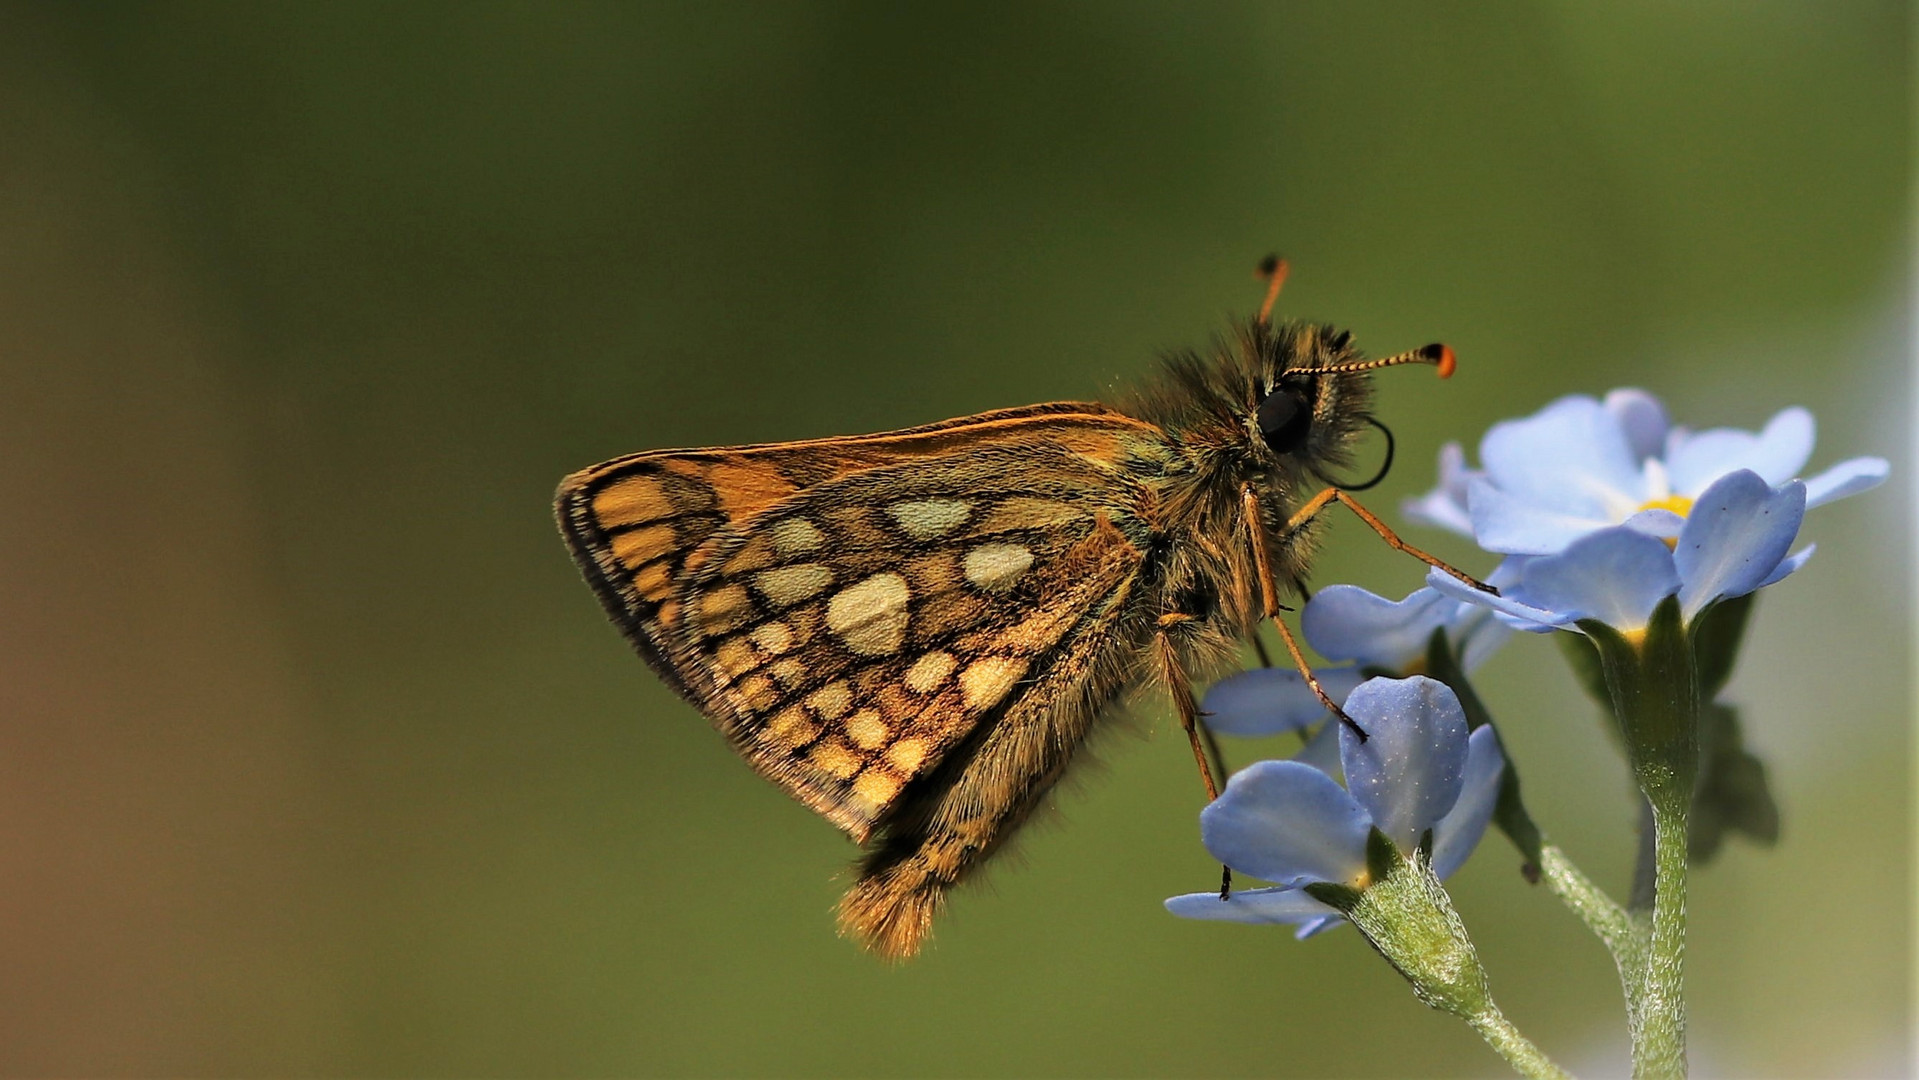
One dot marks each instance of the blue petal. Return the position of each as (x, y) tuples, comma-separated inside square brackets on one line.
[(1523, 616), (1641, 419), (1735, 537), (1407, 771), (1846, 478), (1445, 505), (1475, 631), (1345, 622), (1661, 523), (1477, 635), (1777, 454), (1287, 823), (1789, 565), (1459, 831), (1268, 701), (1318, 927), (1570, 457), (1517, 524), (1616, 575), (1322, 751), (1281, 905)]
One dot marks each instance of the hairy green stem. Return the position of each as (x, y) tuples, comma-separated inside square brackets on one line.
[(1659, 1041), (1606, 919), (1652, 679), (1519, 1051)]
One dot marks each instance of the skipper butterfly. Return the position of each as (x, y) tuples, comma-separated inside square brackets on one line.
[(913, 632)]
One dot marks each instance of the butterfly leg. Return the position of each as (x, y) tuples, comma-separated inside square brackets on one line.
[(1332, 495), (1181, 686), (1269, 595)]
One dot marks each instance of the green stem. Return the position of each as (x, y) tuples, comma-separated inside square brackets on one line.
[(1519, 1051), (1606, 919), (1659, 1041), (1652, 680)]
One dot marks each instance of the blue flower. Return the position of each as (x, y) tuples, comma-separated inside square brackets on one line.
[(1291, 823), (1580, 465), (1377, 635), (1734, 541)]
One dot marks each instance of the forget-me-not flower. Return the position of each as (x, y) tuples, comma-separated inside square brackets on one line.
[(1735, 540), (1291, 823), (1580, 465), (1372, 634)]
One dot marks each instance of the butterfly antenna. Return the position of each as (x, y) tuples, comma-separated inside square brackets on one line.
[(1440, 356), (1273, 269)]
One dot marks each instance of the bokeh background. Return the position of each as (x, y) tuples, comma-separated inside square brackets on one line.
[(317, 758)]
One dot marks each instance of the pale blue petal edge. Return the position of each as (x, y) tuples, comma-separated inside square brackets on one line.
[(1322, 750), (1849, 477), (1458, 833), (1570, 457), (1520, 616), (1288, 823), (1616, 576), (1261, 906), (1789, 565), (1346, 622), (1737, 534), (1517, 524), (1641, 418), (1269, 701), (1777, 453), (1445, 506)]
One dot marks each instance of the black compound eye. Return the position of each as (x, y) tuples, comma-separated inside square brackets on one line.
[(1285, 418)]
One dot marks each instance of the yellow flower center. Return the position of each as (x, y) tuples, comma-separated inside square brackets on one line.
[(1678, 504)]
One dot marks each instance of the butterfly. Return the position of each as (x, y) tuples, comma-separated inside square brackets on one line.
[(913, 632)]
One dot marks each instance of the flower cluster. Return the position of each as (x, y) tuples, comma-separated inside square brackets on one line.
[(1612, 522), (1604, 509), (1290, 822)]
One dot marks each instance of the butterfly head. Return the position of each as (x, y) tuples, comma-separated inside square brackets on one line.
[(1312, 395)]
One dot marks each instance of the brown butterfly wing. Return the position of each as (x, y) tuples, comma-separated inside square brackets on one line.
[(847, 632)]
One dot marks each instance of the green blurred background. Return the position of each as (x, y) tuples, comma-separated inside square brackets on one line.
[(318, 758)]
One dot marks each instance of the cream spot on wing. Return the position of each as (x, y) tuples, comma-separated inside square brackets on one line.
[(774, 637), (871, 616), (724, 608), (929, 519), (735, 657), (790, 672), (797, 536), (985, 682), (832, 700), (995, 567), (789, 585), (759, 694), (834, 758), (866, 729), (791, 727), (929, 671), (877, 787), (907, 754)]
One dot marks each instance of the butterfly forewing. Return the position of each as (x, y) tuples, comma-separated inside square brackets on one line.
[(848, 611)]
